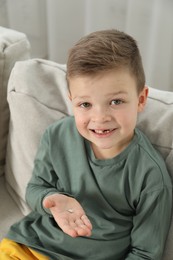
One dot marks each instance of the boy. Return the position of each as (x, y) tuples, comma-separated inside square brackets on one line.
[(99, 190)]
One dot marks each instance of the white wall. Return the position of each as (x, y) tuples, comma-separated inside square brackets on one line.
[(30, 16), (66, 22), (53, 26)]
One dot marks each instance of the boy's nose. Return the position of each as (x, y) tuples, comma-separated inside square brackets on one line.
[(101, 116)]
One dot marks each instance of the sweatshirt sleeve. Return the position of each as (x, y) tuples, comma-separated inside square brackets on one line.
[(44, 179), (151, 224)]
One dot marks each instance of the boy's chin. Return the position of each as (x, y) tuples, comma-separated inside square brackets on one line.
[(107, 150), (103, 145)]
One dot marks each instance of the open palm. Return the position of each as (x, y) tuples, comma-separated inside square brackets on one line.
[(68, 214)]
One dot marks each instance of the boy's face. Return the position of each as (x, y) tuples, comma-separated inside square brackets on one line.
[(105, 109)]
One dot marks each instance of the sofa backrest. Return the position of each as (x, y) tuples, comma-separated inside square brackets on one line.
[(37, 98), (14, 46)]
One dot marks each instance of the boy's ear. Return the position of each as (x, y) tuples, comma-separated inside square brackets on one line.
[(143, 99)]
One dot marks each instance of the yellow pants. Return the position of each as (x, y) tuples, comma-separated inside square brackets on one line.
[(11, 250)]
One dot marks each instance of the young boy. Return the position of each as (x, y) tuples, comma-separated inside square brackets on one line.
[(99, 190)]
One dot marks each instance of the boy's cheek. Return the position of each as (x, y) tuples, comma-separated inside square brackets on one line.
[(80, 122)]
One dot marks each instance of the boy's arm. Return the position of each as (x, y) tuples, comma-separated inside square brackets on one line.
[(44, 180), (151, 224), (44, 195)]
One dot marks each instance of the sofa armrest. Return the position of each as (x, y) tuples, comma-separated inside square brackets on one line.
[(9, 214), (14, 46)]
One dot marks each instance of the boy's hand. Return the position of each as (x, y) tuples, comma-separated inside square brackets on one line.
[(68, 214)]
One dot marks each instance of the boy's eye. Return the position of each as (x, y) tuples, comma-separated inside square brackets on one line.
[(116, 102), (85, 105)]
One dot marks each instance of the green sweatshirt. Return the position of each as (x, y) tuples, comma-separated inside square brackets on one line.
[(127, 198)]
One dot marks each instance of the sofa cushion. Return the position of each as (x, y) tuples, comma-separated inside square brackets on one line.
[(37, 97), (157, 123), (14, 46)]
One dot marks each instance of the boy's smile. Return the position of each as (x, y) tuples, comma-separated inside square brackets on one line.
[(103, 132), (105, 108)]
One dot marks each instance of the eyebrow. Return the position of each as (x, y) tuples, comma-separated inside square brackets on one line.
[(117, 93), (82, 97), (109, 94)]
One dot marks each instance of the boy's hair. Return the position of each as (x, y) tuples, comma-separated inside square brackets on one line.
[(106, 50)]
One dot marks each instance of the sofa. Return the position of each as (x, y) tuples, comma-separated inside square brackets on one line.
[(33, 94), (14, 46)]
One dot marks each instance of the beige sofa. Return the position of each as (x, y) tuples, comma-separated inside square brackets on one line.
[(36, 96), (14, 46)]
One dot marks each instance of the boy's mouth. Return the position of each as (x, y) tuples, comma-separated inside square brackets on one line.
[(102, 131)]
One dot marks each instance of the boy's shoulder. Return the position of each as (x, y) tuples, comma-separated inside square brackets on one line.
[(146, 146), (62, 131), (66, 124), (62, 138), (150, 158)]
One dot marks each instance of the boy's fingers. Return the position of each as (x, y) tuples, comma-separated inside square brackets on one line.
[(86, 221), (83, 230), (48, 203), (76, 227), (69, 231)]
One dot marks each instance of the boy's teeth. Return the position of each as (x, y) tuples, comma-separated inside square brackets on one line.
[(102, 131)]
